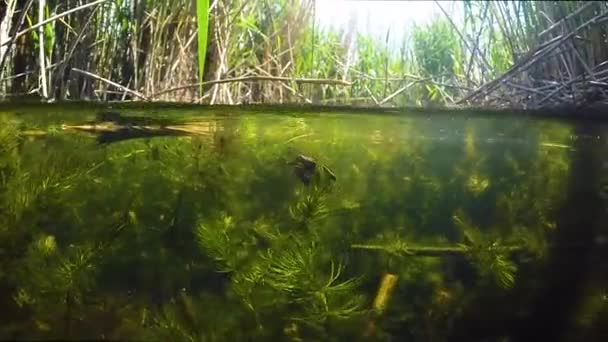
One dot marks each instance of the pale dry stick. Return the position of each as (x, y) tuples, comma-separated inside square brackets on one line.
[(183, 49), (48, 68), (604, 63), (66, 24), (566, 18), (539, 48), (284, 69), (133, 43), (584, 64), (404, 77), (507, 14), (224, 68), (388, 31), (176, 54), (526, 63), (371, 95), (464, 40), (518, 10), (169, 76), (270, 90), (411, 77), (124, 92), (218, 40), (602, 79), (73, 48), (53, 18), (273, 58), (293, 91), (156, 25), (524, 88), (225, 88), (558, 86), (566, 65), (588, 70), (41, 56), (289, 48), (148, 73), (399, 91), (500, 19), (255, 78), (114, 84), (553, 93), (567, 60), (339, 100), (476, 46), (5, 25), (163, 25)]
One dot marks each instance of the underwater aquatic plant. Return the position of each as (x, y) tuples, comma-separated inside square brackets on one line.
[(488, 255)]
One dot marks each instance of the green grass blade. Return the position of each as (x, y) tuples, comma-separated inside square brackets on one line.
[(202, 14)]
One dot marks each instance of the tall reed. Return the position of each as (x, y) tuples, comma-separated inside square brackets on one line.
[(504, 53)]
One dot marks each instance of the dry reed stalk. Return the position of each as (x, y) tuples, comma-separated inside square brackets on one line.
[(53, 18), (59, 76), (5, 29), (108, 82), (14, 36), (41, 56), (526, 63), (255, 78)]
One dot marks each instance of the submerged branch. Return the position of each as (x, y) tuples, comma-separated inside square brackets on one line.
[(429, 251)]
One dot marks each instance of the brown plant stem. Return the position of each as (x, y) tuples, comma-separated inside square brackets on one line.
[(114, 84)]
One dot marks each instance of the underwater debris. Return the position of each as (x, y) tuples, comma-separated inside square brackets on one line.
[(383, 295)]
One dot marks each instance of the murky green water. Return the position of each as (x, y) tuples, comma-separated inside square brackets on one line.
[(216, 226)]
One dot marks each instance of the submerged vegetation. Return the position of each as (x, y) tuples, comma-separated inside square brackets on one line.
[(414, 233), (531, 54)]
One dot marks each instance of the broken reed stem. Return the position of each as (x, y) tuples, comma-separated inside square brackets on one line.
[(63, 64), (566, 18), (14, 36), (41, 57), (532, 59), (53, 18), (254, 78), (476, 46), (462, 38), (5, 25), (114, 84), (383, 296)]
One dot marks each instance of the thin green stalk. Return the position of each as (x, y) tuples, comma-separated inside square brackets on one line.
[(202, 15)]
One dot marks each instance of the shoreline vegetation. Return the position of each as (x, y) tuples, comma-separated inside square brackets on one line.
[(541, 55)]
